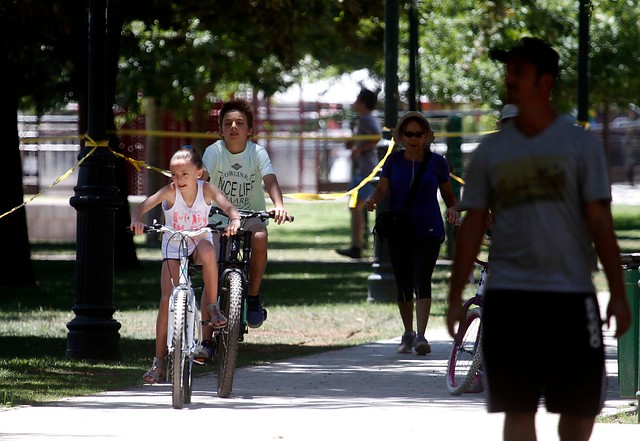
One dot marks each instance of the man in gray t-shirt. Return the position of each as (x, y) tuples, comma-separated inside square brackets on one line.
[(545, 183), (365, 158)]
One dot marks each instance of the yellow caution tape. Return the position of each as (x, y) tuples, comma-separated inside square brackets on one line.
[(65, 175), (138, 165), (352, 192), (456, 178)]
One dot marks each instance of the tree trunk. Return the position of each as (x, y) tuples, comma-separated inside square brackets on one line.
[(154, 156), (124, 249), (17, 270)]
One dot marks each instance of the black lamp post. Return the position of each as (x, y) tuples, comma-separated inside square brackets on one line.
[(93, 333), (381, 281)]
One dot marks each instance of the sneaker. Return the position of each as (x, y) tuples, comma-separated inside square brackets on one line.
[(406, 345), (255, 313), (422, 346), (204, 352), (353, 252)]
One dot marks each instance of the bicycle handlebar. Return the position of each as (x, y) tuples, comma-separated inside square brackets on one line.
[(160, 228), (157, 227), (246, 214)]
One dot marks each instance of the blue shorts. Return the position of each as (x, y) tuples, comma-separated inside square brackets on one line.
[(543, 345), (365, 191)]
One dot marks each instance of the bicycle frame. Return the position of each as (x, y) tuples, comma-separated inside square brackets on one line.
[(234, 258), (476, 300), (184, 284)]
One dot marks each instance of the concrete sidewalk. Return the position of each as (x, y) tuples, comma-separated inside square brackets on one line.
[(363, 393)]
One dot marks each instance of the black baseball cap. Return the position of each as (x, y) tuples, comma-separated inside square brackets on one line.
[(533, 50)]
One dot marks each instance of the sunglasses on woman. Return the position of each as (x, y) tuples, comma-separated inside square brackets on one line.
[(409, 134)]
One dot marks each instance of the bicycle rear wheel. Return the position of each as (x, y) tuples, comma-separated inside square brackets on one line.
[(178, 357), (466, 354), (228, 338)]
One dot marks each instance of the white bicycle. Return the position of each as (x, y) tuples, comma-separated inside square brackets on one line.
[(183, 336)]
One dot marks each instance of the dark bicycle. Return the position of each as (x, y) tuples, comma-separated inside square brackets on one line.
[(233, 276)]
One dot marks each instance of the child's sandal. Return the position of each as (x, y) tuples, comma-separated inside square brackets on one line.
[(216, 318), (154, 374)]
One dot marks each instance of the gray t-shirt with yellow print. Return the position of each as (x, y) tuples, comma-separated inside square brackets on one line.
[(535, 188)]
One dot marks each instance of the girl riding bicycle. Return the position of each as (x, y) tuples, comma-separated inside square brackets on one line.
[(186, 202)]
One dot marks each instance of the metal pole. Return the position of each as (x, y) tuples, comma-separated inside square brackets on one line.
[(93, 333), (454, 154), (583, 62), (392, 17), (412, 92), (381, 281)]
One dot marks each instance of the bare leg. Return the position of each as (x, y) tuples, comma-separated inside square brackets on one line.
[(406, 314), (169, 268), (357, 224), (258, 262), (423, 309), (572, 428), (207, 331), (519, 426), (206, 257)]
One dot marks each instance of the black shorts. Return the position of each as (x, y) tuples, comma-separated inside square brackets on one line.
[(543, 345)]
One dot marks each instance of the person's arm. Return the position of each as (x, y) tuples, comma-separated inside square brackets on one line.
[(213, 193), (275, 193), (361, 147), (468, 240), (137, 226), (600, 226), (381, 191), (452, 213)]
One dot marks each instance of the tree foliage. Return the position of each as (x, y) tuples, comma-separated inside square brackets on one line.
[(455, 38), (186, 54), (214, 49)]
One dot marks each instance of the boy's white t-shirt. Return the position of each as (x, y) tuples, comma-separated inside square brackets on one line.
[(239, 175)]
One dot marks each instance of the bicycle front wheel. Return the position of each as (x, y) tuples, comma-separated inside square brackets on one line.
[(228, 339), (192, 335), (178, 364), (466, 354)]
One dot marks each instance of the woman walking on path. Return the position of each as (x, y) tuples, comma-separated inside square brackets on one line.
[(414, 257)]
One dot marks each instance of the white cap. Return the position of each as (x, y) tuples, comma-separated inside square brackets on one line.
[(509, 111)]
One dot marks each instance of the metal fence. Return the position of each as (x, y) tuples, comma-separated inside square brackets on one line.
[(306, 143)]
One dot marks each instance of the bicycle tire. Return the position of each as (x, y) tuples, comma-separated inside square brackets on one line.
[(228, 339), (178, 356), (466, 354), (192, 335)]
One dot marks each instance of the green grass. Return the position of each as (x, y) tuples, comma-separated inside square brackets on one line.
[(625, 416), (316, 300)]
